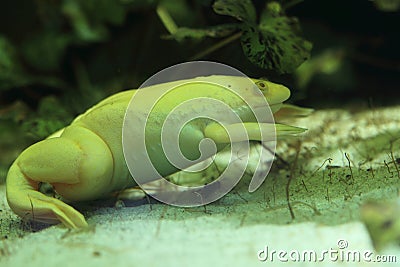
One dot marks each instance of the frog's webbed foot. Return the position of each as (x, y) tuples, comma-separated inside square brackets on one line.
[(28, 203), (51, 210)]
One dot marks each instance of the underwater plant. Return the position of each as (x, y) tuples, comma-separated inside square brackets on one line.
[(270, 40)]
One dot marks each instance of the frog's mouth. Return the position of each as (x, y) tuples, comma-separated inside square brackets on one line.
[(270, 116), (275, 107)]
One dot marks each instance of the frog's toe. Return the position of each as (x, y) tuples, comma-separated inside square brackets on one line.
[(38, 207), (27, 202), (52, 210)]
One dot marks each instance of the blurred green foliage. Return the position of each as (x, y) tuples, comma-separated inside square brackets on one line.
[(274, 43), (59, 57)]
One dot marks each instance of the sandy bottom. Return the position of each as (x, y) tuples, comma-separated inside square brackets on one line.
[(343, 160)]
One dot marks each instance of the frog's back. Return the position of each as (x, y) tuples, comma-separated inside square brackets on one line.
[(106, 118)]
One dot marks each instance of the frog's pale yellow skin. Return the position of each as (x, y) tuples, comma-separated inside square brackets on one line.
[(85, 161)]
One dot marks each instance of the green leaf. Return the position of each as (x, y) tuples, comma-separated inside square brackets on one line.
[(275, 43), (90, 17), (255, 47), (104, 11), (82, 27), (387, 5), (7, 56), (140, 3), (242, 10), (11, 73), (45, 50), (218, 31)]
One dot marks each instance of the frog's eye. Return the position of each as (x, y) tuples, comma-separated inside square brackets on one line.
[(262, 85)]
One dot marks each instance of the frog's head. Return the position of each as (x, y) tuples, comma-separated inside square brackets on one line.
[(275, 94)]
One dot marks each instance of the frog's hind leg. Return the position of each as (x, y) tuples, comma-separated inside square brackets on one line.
[(24, 198), (78, 164)]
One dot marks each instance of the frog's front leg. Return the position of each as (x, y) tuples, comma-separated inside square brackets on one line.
[(221, 135), (212, 167), (255, 131), (78, 164)]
